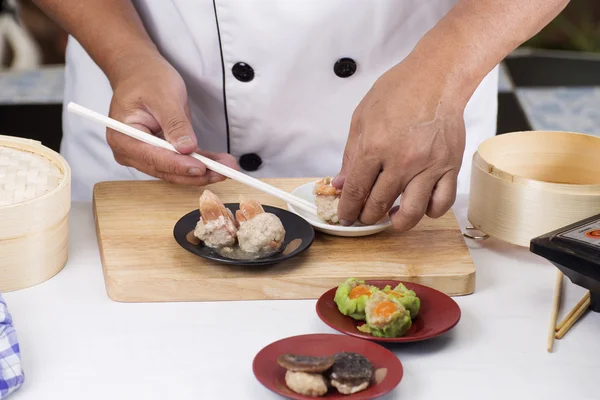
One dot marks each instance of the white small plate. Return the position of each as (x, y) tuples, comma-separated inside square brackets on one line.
[(305, 192)]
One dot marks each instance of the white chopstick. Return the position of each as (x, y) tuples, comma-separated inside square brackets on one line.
[(210, 164)]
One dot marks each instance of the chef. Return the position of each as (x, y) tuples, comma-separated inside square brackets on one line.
[(390, 96)]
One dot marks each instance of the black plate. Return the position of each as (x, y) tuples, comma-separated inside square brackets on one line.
[(296, 230)]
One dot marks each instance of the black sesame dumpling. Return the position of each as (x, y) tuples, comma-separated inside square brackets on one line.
[(298, 363), (351, 372)]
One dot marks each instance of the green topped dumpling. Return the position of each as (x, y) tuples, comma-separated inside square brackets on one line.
[(351, 297), (385, 316), (408, 298)]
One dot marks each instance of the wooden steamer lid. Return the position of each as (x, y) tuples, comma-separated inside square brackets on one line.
[(526, 184), (35, 199)]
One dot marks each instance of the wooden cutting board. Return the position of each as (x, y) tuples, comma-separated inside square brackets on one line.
[(142, 262)]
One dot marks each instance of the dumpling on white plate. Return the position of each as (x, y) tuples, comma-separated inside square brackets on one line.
[(327, 198)]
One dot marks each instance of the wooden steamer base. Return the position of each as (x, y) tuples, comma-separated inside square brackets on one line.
[(143, 263), (526, 184), (35, 199)]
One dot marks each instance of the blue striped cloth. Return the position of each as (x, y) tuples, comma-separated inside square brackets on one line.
[(11, 374)]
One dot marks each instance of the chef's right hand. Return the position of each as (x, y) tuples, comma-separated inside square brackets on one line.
[(151, 96)]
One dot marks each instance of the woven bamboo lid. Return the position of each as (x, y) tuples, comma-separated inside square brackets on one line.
[(34, 186), (26, 176)]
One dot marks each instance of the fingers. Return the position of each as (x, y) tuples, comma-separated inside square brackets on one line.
[(176, 126), (204, 177), (384, 193), (201, 180), (164, 164), (444, 195), (357, 185), (349, 152), (152, 158), (168, 162), (190, 179), (222, 158), (424, 195), (414, 202)]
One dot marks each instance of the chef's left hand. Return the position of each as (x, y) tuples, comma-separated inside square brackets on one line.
[(407, 136)]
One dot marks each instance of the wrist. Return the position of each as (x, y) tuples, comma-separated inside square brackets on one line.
[(125, 60), (449, 56)]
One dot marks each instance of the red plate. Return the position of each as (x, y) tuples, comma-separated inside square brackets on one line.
[(272, 376), (438, 314)]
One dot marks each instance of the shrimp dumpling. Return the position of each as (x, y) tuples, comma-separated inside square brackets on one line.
[(259, 232), (217, 227), (327, 199)]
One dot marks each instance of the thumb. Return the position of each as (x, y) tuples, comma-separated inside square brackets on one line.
[(176, 126), (349, 153)]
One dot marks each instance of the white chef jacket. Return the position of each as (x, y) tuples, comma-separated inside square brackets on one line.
[(273, 82)]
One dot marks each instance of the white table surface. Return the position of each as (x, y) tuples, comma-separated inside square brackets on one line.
[(78, 344)]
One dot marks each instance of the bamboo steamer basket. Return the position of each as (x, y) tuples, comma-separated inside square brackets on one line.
[(525, 184), (35, 199)]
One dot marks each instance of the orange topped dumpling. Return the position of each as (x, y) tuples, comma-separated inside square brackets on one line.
[(351, 297), (386, 316)]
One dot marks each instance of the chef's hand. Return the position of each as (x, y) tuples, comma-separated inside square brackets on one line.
[(407, 136), (151, 96)]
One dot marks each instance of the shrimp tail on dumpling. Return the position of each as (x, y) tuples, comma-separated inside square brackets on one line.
[(259, 232), (248, 210), (217, 227)]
